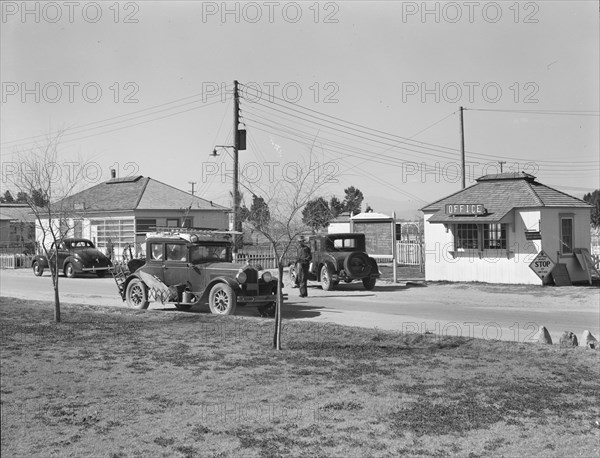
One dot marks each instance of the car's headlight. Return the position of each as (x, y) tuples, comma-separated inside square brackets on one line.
[(241, 276), (267, 277)]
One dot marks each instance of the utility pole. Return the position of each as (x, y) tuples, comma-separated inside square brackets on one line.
[(192, 183), (236, 140), (394, 249), (501, 163), (462, 147)]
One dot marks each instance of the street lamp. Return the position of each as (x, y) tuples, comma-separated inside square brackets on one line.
[(215, 153)]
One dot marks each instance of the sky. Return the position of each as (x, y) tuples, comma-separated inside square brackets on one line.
[(369, 91)]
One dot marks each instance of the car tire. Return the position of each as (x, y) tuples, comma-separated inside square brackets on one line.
[(357, 264), (38, 270), (325, 278), (222, 299), (136, 294), (69, 270), (369, 283)]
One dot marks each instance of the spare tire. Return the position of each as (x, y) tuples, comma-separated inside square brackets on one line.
[(357, 265)]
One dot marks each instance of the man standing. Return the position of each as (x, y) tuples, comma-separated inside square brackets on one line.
[(303, 261)]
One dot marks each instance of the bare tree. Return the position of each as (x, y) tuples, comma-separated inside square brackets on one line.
[(280, 217), (38, 174)]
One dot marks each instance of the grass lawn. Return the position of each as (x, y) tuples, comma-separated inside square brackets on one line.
[(114, 382)]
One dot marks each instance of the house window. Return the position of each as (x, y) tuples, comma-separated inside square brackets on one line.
[(187, 222), (142, 226), (494, 236), (466, 237), (566, 234), (113, 234), (172, 222)]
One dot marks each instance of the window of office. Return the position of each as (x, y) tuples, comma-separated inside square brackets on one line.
[(466, 237), (494, 236)]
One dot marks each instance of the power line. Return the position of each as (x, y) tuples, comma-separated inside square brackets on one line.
[(86, 127), (542, 112), (414, 143)]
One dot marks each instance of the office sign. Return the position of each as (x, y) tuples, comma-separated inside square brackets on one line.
[(465, 209)]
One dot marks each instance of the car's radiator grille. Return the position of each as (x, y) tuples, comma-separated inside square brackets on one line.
[(251, 285), (251, 275)]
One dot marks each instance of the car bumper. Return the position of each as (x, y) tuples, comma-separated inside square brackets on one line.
[(95, 269), (267, 298), (343, 276)]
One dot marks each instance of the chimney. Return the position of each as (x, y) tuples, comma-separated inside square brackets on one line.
[(113, 173)]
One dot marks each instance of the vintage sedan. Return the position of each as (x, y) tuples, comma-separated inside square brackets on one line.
[(75, 256), (340, 257), (186, 268)]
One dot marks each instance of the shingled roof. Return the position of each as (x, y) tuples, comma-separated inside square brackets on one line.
[(135, 193), (500, 193), (16, 213)]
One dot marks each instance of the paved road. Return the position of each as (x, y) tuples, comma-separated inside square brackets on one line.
[(484, 311)]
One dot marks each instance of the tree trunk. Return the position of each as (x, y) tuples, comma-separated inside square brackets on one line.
[(54, 273), (277, 333)]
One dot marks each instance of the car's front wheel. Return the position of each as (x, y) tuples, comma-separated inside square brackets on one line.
[(326, 282), (222, 299), (69, 270), (136, 294), (38, 270), (369, 283)]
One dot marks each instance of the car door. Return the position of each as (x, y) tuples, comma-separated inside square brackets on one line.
[(156, 260), (176, 265)]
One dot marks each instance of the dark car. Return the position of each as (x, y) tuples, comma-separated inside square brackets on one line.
[(340, 257), (193, 267), (75, 256)]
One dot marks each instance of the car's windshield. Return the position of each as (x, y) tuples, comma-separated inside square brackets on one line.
[(209, 253), (345, 244)]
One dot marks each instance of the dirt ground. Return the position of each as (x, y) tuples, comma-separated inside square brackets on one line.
[(112, 382)]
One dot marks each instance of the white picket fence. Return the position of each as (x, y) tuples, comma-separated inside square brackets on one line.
[(266, 259), (15, 261), (409, 254)]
